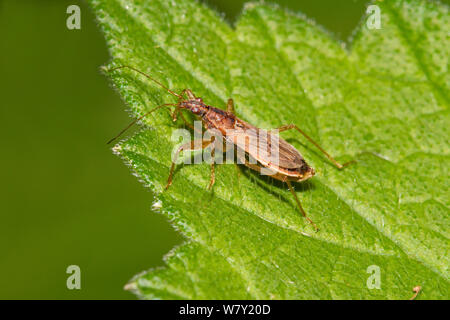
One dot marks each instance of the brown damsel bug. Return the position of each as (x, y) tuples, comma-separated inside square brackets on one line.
[(290, 167)]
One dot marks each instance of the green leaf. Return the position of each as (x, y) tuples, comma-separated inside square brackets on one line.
[(383, 101)]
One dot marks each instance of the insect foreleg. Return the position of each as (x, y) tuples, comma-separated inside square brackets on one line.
[(293, 126), (299, 205), (186, 122), (190, 146), (189, 93)]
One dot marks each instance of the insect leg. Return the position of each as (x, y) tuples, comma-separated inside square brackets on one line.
[(190, 146), (189, 93), (299, 205), (213, 174), (416, 292), (181, 97), (230, 106), (174, 114), (293, 126), (186, 122), (252, 166), (258, 168)]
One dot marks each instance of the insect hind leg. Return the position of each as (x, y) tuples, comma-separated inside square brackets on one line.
[(293, 126), (291, 189)]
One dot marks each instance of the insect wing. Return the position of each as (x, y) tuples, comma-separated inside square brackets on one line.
[(266, 148)]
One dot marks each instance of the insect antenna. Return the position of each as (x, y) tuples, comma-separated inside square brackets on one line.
[(138, 119), (148, 77)]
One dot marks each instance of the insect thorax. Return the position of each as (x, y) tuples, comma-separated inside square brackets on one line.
[(219, 119)]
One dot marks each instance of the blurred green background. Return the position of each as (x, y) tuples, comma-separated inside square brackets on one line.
[(65, 198)]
